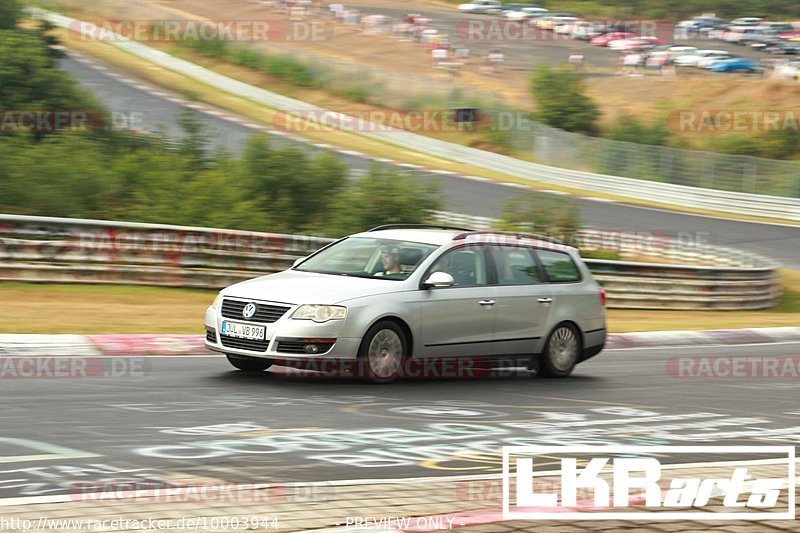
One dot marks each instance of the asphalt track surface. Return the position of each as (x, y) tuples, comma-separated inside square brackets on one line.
[(156, 419), (152, 113)]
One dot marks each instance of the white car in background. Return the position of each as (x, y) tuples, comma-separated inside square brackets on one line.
[(547, 22), (526, 13), (788, 70), (708, 61), (481, 7), (692, 60), (747, 21), (675, 51), (565, 25)]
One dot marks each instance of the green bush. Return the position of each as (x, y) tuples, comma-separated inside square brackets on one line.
[(560, 100), (542, 213)]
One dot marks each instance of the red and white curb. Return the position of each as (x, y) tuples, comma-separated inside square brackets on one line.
[(222, 115), (153, 344)]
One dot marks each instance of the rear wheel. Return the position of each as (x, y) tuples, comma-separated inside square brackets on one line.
[(249, 364), (383, 352), (561, 352)]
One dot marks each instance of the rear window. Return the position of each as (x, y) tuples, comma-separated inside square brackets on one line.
[(559, 266)]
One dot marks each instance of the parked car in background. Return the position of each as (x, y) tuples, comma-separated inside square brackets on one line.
[(549, 20), (736, 64), (746, 21), (384, 298), (607, 38), (525, 13), (706, 62), (790, 71), (636, 43), (481, 7), (693, 59), (782, 48)]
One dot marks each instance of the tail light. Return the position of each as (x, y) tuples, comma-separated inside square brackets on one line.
[(603, 297)]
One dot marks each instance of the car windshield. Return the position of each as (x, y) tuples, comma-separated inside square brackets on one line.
[(366, 257)]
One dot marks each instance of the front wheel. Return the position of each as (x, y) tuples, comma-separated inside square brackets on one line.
[(249, 364), (561, 352), (383, 352)]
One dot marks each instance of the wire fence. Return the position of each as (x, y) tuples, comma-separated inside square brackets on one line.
[(738, 173)]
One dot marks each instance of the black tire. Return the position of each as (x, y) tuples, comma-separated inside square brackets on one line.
[(383, 352), (561, 352), (249, 364)]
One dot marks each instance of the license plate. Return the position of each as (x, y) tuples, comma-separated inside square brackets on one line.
[(244, 331)]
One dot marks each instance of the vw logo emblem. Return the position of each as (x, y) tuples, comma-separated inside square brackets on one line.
[(249, 310)]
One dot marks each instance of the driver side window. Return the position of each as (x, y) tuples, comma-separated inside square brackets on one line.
[(466, 264)]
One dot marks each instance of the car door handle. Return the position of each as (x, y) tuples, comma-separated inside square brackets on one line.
[(545, 300), (487, 302)]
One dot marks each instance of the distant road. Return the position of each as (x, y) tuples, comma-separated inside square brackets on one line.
[(781, 243)]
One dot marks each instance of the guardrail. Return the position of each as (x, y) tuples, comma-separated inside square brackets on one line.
[(45, 249), (739, 203)]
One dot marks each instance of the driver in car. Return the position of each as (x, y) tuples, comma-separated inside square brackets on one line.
[(390, 258)]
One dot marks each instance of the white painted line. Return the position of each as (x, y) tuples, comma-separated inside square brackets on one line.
[(678, 346), (593, 199), (443, 172)]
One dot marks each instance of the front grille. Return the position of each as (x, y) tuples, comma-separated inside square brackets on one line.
[(244, 344), (211, 335), (265, 313), (300, 347)]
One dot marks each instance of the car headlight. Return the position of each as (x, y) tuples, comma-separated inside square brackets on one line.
[(217, 301), (320, 313)]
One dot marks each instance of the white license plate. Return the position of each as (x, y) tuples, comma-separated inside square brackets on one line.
[(244, 331)]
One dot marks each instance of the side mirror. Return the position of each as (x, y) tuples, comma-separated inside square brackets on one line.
[(298, 261), (439, 279)]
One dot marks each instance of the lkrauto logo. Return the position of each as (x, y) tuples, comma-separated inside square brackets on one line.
[(649, 482)]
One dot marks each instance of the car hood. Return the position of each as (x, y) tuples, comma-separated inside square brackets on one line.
[(296, 287)]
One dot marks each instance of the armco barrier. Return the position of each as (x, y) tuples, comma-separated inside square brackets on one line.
[(44, 249), (787, 208)]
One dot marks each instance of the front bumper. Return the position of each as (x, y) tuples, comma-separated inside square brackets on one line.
[(284, 331)]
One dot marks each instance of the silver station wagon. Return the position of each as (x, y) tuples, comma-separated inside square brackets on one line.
[(406, 294)]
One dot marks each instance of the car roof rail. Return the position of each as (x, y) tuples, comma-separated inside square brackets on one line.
[(418, 226), (517, 234)]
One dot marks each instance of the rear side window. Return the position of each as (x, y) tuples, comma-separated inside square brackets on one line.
[(558, 266), (514, 265)]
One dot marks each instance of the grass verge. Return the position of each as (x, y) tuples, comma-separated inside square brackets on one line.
[(97, 309)]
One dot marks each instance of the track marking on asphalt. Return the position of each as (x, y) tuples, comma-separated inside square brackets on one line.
[(61, 498)]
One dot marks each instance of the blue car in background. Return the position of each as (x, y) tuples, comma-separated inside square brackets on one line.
[(736, 64)]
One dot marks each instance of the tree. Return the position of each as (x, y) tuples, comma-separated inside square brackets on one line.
[(29, 79), (10, 13), (543, 213), (195, 141), (560, 100), (383, 196), (295, 189)]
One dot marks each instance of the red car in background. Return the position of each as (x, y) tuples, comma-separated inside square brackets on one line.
[(606, 38)]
